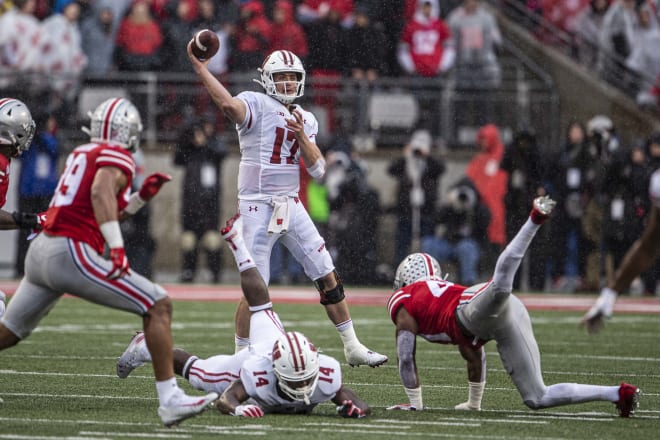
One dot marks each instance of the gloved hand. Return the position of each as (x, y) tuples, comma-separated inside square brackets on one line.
[(152, 185), (349, 410), (119, 263), (28, 220), (402, 407), (248, 411)]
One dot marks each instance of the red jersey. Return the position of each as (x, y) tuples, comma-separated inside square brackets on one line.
[(433, 303), (426, 42), (4, 179), (70, 213)]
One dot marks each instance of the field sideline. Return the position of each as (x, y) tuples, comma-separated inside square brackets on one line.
[(60, 383), (379, 296)]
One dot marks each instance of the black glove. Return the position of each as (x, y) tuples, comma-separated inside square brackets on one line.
[(26, 220)]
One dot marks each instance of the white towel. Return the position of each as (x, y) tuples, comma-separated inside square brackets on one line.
[(279, 221)]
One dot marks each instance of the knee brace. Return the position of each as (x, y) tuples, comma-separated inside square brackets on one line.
[(331, 296)]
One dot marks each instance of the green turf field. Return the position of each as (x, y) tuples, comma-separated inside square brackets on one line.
[(61, 382)]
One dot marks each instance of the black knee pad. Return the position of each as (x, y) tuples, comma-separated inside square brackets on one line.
[(332, 296)]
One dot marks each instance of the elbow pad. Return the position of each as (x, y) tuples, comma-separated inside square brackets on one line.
[(318, 169)]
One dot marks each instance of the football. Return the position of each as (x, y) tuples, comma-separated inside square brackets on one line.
[(205, 44)]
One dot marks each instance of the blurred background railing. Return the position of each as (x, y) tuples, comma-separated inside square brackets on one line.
[(376, 115)]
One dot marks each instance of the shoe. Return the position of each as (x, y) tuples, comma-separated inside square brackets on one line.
[(181, 407), (628, 399), (361, 355), (130, 358), (541, 209)]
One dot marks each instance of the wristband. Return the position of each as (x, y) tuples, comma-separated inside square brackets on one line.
[(415, 397), (135, 202), (318, 169), (112, 234)]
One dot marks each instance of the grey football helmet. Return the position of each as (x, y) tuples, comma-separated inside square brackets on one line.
[(416, 267), (116, 121), (16, 125)]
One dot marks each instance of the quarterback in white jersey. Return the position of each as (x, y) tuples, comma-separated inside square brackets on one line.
[(639, 257), (274, 135), (281, 372)]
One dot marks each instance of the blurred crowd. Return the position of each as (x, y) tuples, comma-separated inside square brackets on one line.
[(362, 39), (618, 38)]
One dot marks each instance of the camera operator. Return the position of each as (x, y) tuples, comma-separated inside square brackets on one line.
[(461, 231), (419, 175)]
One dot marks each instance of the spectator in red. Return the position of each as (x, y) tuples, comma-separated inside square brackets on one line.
[(491, 181), (251, 39), (161, 9), (139, 39), (426, 47), (287, 33), (311, 11)]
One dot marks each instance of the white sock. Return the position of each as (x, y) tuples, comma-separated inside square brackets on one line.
[(166, 389), (242, 256), (240, 343), (347, 333)]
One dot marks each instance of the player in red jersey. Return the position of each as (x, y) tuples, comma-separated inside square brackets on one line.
[(93, 193), (427, 305), (16, 132)]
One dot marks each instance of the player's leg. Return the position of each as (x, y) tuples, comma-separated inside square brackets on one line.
[(32, 300), (308, 248), (250, 243), (521, 359), (79, 270), (481, 313)]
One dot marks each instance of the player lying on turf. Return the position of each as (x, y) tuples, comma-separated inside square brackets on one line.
[(438, 310), (280, 372)]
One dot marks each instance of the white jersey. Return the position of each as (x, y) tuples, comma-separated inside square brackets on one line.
[(269, 151), (654, 188), (260, 384)]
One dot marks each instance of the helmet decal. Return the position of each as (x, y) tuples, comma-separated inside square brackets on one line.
[(416, 267), (17, 127)]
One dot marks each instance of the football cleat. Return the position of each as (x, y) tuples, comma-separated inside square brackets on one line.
[(541, 209), (181, 407), (361, 355), (628, 399), (130, 359)]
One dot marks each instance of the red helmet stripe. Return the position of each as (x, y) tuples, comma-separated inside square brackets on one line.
[(429, 264), (4, 101), (296, 351), (107, 118)]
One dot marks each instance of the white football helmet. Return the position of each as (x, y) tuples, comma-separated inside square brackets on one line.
[(116, 121), (282, 61), (416, 267), (296, 365), (16, 125)]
